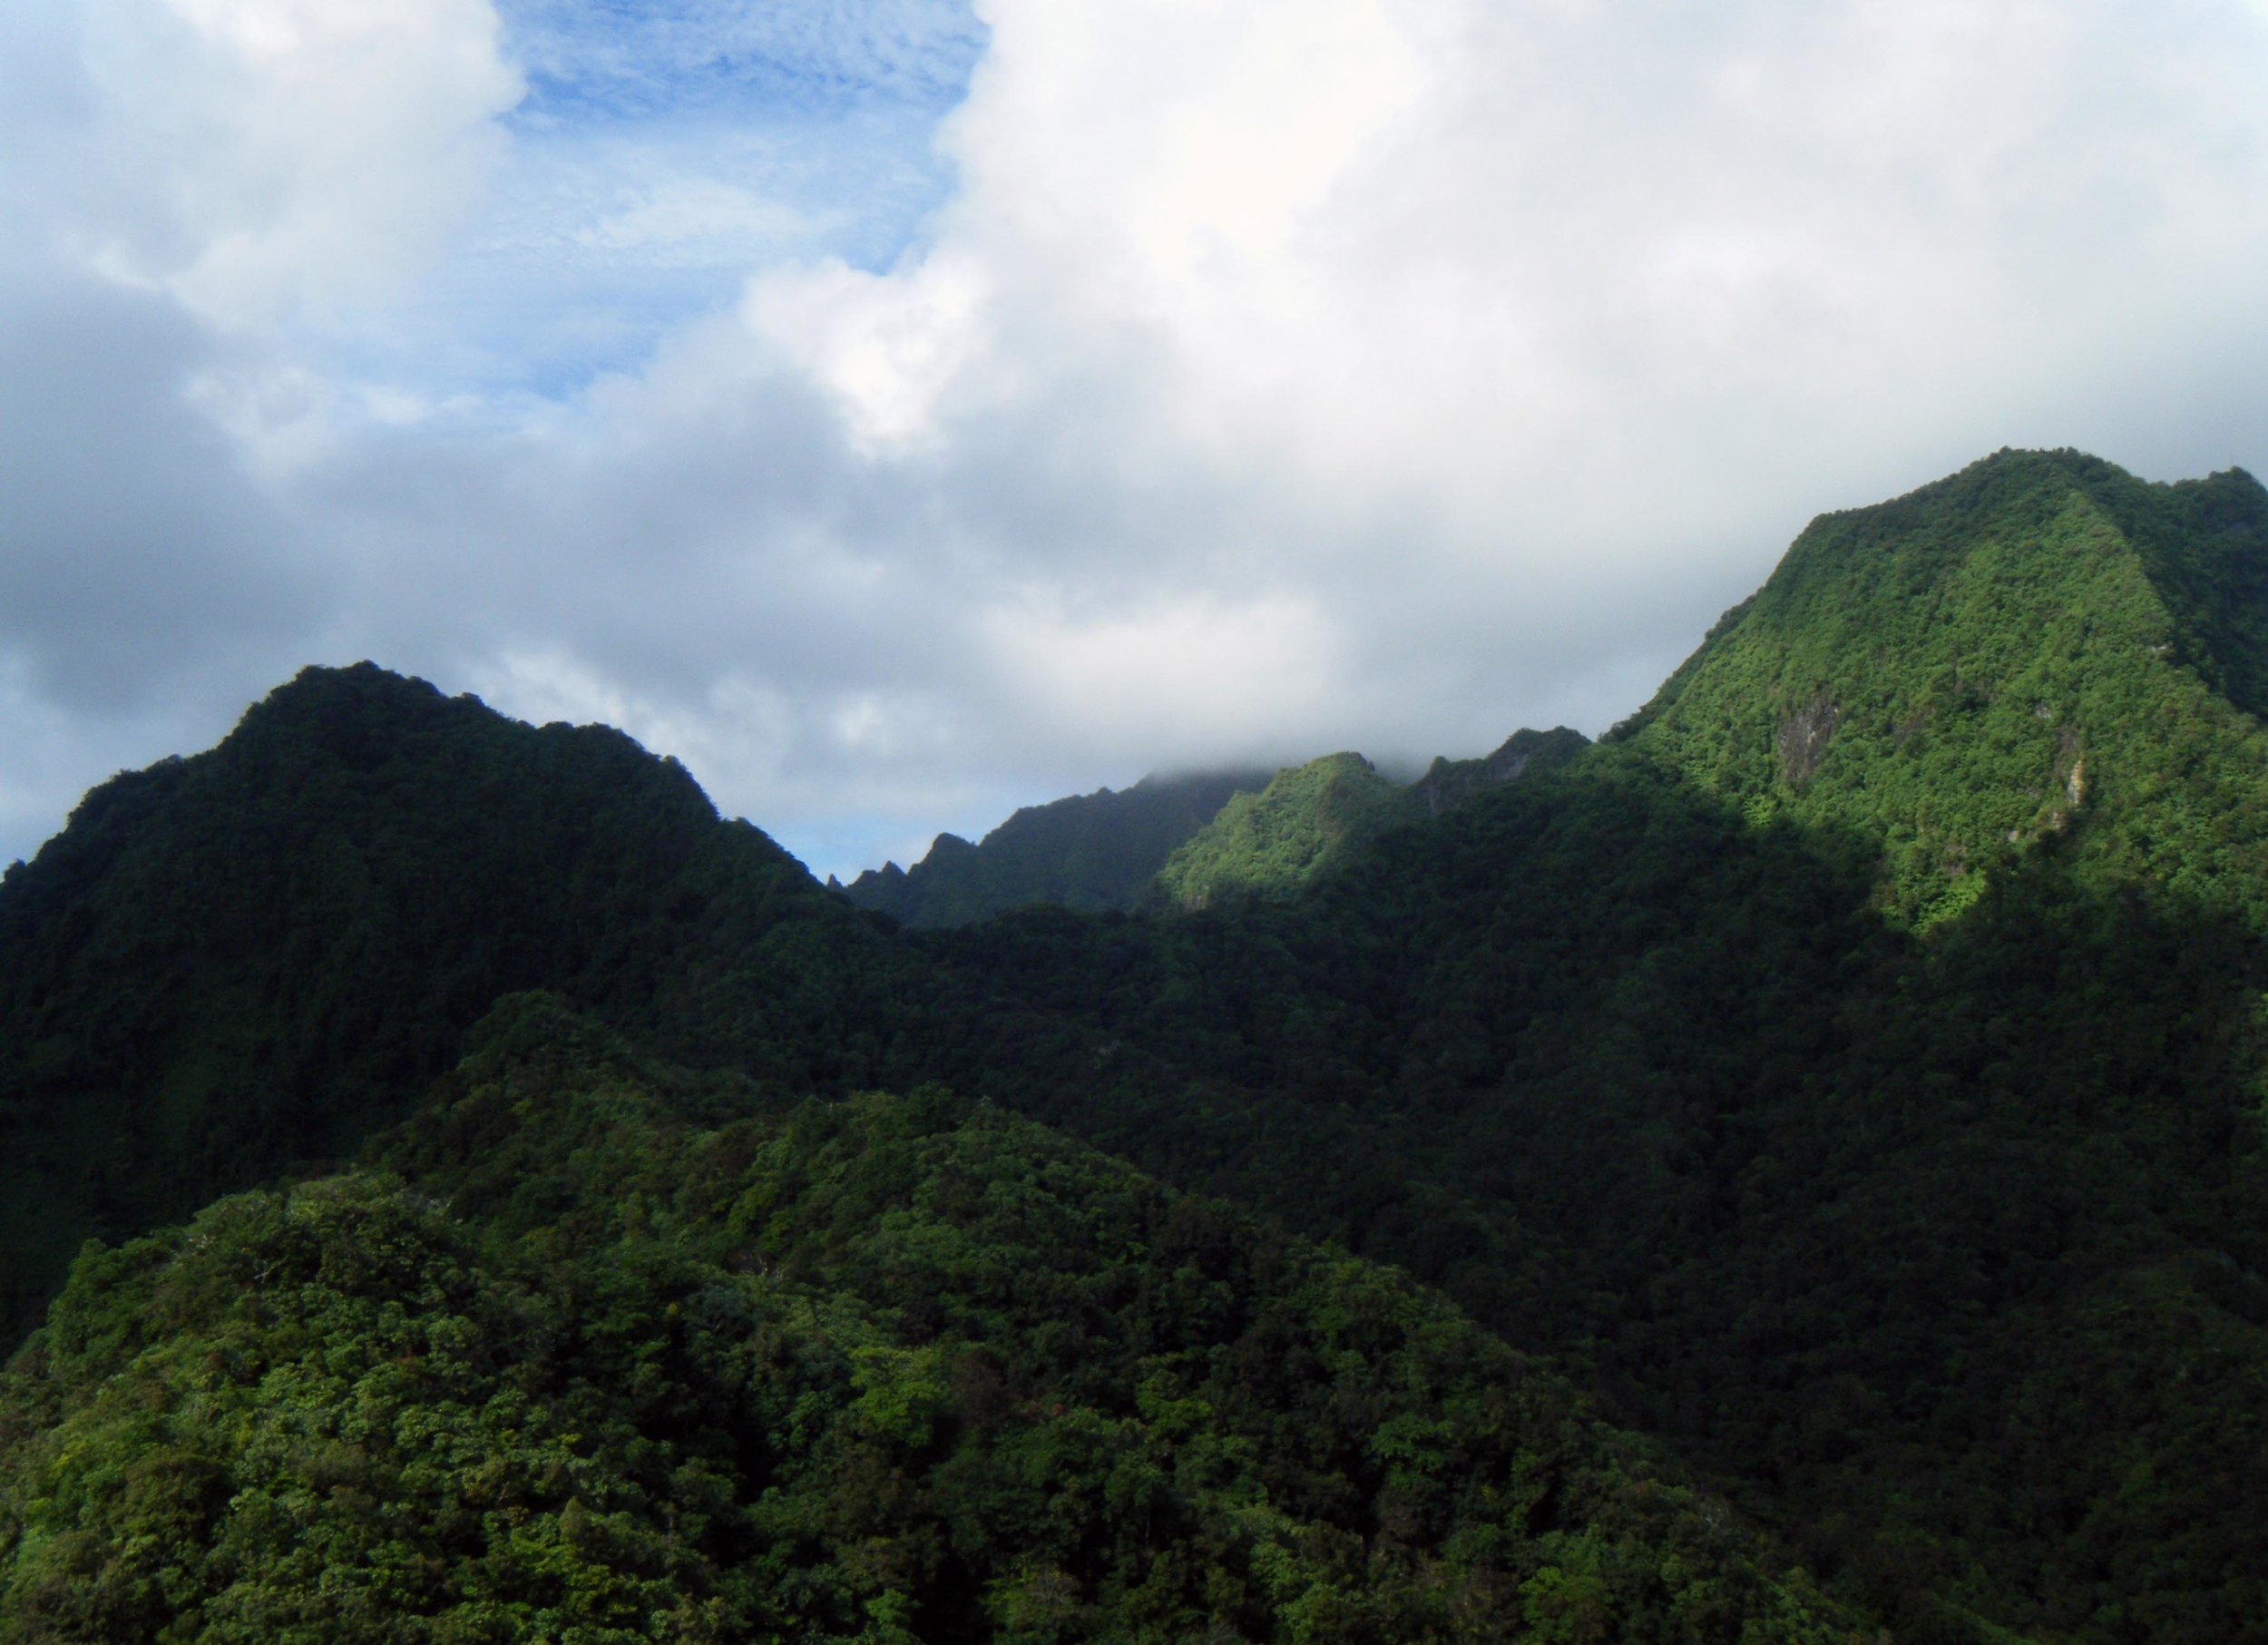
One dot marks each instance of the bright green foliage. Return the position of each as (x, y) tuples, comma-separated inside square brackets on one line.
[(1092, 852), (335, 1415), (1966, 670), (1271, 842), (882, 1369)]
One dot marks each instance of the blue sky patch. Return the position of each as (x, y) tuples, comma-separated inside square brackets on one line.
[(601, 60), (662, 154)]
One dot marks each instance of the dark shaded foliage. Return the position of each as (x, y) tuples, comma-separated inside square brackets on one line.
[(882, 1369), (1092, 852)]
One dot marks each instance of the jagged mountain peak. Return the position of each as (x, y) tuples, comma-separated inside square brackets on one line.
[(1092, 852)]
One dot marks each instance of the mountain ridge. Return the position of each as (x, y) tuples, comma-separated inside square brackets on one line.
[(1093, 853), (1922, 1213), (1271, 842)]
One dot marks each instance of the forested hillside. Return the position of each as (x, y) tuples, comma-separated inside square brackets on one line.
[(1092, 852), (1270, 844), (1850, 1073), (1966, 670), (567, 1362), (258, 956)]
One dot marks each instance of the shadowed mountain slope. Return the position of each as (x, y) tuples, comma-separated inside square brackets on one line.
[(255, 955), (1092, 852)]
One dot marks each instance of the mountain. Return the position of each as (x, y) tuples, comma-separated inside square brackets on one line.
[(1862, 1198), (1090, 852), (1972, 669), (1449, 783), (1911, 1202), (1311, 818), (1274, 842), (257, 956), (1181, 842)]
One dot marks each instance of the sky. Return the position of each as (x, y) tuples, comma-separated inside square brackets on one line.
[(904, 411)]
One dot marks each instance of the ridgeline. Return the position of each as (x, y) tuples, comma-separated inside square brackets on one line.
[(1821, 1126), (1093, 853)]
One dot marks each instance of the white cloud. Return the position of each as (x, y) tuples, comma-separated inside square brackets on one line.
[(885, 347), (267, 157), (1206, 679)]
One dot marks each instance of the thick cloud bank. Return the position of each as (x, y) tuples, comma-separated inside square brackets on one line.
[(1212, 381)]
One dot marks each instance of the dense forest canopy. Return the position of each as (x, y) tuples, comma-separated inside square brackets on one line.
[(883, 1368), (1819, 1131)]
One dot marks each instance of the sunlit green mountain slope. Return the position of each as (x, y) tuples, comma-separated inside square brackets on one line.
[(1966, 670)]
